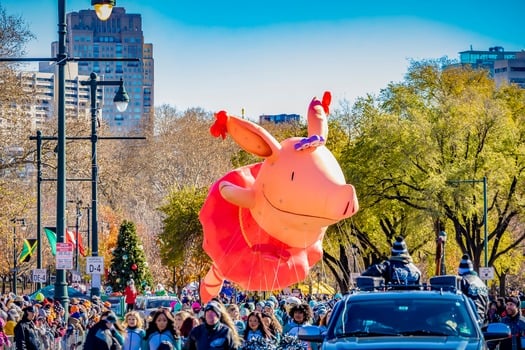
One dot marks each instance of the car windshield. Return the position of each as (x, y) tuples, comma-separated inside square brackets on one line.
[(156, 303), (411, 317)]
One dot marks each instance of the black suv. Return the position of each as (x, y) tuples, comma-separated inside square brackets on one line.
[(437, 316)]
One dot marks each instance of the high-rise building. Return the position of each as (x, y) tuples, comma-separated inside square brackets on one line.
[(120, 36)]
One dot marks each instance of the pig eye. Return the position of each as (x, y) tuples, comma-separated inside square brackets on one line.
[(293, 174)]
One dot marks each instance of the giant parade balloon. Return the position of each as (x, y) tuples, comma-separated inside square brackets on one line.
[(264, 223)]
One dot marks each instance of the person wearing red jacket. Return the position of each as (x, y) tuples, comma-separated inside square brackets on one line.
[(130, 294)]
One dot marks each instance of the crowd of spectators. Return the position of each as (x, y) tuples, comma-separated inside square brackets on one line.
[(38, 323)]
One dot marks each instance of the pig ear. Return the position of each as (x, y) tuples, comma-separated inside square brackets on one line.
[(252, 137), (317, 115)]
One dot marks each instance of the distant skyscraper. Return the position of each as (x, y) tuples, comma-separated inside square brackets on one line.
[(120, 36)]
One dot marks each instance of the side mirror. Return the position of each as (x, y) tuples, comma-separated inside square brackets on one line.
[(496, 331), (312, 334)]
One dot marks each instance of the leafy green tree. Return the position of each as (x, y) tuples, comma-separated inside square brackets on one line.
[(128, 260), (181, 239), (419, 136)]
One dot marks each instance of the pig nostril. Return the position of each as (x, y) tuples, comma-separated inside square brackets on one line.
[(346, 209), (293, 174)]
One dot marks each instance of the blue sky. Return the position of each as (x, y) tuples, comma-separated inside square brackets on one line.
[(272, 57)]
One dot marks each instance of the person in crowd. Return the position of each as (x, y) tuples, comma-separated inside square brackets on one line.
[(282, 314), (26, 334), (217, 332), (4, 340), (273, 325), (493, 315), (161, 328), (473, 287), (501, 306), (301, 315), (185, 329), (259, 306), (117, 330), (399, 269), (12, 319), (256, 328), (134, 331), (130, 295), (196, 308), (179, 318), (165, 345), (235, 315), (324, 319), (269, 308), (516, 322), (99, 336)]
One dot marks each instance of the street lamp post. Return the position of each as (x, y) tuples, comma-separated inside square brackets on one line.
[(442, 240), (485, 219), (121, 101), (22, 223), (61, 60)]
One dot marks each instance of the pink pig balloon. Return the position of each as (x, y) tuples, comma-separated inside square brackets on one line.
[(264, 223)]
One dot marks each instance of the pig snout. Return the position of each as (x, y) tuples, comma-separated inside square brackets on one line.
[(342, 202)]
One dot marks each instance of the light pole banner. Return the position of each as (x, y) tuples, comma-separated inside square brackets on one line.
[(64, 257)]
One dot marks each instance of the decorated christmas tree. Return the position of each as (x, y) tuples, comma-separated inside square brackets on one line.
[(129, 261)]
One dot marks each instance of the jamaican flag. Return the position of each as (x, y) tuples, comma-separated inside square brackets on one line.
[(27, 250)]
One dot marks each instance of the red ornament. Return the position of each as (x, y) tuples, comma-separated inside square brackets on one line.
[(134, 267)]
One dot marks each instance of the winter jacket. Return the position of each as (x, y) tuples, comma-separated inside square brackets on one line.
[(134, 339), (473, 287), (99, 337), (154, 340), (26, 335), (211, 337), (396, 270), (517, 329)]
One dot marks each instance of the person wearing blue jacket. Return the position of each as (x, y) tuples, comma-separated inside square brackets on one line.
[(160, 329), (135, 332)]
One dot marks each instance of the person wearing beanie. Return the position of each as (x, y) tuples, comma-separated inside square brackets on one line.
[(473, 286), (399, 269), (217, 332), (516, 323)]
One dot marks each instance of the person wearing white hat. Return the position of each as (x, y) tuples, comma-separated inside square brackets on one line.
[(399, 269)]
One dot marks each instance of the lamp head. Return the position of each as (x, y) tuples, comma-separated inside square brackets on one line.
[(103, 8), (121, 98)]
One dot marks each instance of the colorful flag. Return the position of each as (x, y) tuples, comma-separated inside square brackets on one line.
[(52, 238), (27, 250), (70, 238)]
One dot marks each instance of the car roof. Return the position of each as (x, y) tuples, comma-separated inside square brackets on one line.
[(402, 294)]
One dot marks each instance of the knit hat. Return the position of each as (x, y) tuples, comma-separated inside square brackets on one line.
[(269, 304), (213, 306), (111, 318), (196, 307), (399, 246), (513, 300), (465, 265)]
